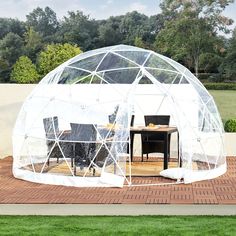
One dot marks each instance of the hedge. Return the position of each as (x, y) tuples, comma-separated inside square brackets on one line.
[(211, 77), (230, 125), (220, 86)]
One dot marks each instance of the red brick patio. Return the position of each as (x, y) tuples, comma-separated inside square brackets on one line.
[(221, 190)]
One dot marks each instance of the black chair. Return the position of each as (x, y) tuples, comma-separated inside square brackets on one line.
[(52, 131), (51, 126), (84, 145), (154, 142), (106, 135)]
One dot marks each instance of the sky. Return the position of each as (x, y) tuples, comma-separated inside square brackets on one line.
[(97, 9)]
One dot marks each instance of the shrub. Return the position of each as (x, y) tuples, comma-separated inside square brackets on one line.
[(216, 78), (209, 62), (230, 125), (213, 78), (24, 71), (54, 55), (220, 86)]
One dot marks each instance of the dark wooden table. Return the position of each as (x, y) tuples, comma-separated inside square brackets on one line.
[(166, 131)]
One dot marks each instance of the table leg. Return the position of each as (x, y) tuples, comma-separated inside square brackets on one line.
[(179, 159), (131, 146), (166, 148)]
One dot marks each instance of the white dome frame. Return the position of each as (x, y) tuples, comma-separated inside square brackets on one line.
[(88, 87)]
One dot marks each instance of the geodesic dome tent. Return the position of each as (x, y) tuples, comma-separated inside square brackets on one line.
[(95, 94)]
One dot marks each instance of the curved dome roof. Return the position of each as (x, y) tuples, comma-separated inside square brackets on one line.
[(118, 65)]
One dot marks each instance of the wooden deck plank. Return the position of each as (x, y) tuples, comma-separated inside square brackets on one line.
[(221, 190)]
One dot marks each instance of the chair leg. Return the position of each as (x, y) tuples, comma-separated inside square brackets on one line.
[(74, 170), (73, 155), (169, 147), (147, 156), (48, 161)]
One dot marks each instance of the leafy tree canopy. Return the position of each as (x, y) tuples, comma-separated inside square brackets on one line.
[(191, 30), (11, 48), (4, 70), (208, 9), (186, 30), (33, 43), (209, 62), (228, 67), (77, 28), (43, 21), (134, 24), (24, 71), (110, 32), (8, 25), (54, 55)]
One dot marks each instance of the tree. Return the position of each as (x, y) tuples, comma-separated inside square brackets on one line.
[(11, 47), (129, 28), (109, 31), (54, 55), (184, 39), (138, 42), (4, 70), (134, 24), (228, 67), (33, 43), (78, 29), (209, 62), (156, 23), (44, 21), (207, 9), (24, 71), (192, 29), (8, 25)]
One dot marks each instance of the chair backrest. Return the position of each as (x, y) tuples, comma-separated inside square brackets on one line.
[(132, 121), (157, 119), (83, 132), (112, 117), (51, 126)]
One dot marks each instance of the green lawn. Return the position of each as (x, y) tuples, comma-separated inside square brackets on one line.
[(226, 103), (118, 225)]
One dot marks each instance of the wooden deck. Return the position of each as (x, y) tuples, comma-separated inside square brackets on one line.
[(221, 190), (151, 167)]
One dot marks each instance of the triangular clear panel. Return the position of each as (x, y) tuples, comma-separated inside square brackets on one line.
[(72, 75), (89, 63), (113, 61), (164, 77), (126, 76), (155, 61), (138, 57)]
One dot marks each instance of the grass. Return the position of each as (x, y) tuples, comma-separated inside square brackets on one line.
[(226, 103), (117, 225)]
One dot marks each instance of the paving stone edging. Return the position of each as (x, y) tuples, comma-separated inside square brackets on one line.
[(115, 209)]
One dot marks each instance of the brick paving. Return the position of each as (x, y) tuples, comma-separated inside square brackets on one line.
[(221, 190)]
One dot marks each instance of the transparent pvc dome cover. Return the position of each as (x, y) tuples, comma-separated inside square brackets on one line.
[(74, 128)]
